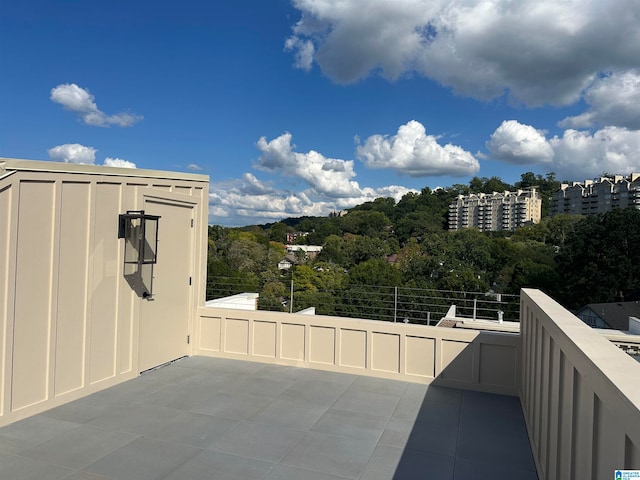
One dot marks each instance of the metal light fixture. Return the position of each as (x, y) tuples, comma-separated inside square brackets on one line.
[(140, 232)]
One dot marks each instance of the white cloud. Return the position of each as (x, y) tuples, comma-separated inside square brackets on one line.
[(250, 201), (614, 100), (573, 156), (73, 153), (513, 142), (79, 100), (195, 167), (412, 152), (81, 154), (582, 154), (118, 162), (328, 182), (540, 51), (326, 176), (303, 52)]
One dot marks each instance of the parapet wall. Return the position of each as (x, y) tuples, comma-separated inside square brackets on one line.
[(580, 395), (446, 356)]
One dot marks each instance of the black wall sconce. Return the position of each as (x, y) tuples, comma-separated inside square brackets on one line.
[(140, 232)]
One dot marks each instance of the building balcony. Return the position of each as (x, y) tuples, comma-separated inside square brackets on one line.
[(309, 397)]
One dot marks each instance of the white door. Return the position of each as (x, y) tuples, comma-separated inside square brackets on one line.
[(164, 318)]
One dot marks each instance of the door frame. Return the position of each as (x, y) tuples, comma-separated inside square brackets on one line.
[(181, 201)]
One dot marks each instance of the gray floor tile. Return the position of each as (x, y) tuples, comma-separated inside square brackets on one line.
[(418, 465), (281, 372), (83, 410), (257, 386), (383, 463), (434, 437), (396, 432), (378, 404), (334, 377), (319, 391), (223, 365), (143, 459), (441, 413), (79, 447), (238, 407), (491, 448), (283, 472), (436, 393), (318, 425), (209, 465), (20, 468), (359, 426), (195, 429), (379, 385), (147, 420), (258, 441), (338, 456), (27, 433), (288, 413), (80, 475), (475, 470)]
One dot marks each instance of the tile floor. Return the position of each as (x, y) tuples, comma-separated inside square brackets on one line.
[(206, 418)]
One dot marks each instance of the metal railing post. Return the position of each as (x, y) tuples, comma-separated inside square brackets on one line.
[(395, 305), (291, 297)]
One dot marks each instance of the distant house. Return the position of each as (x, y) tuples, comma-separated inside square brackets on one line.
[(287, 262), (310, 251), (293, 236), (613, 315)]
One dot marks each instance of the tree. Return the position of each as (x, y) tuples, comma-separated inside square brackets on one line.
[(600, 259)]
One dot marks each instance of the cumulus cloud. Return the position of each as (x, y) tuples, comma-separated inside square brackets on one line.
[(195, 167), (613, 99), (540, 51), (118, 162), (81, 154), (412, 152), (79, 100), (73, 153), (327, 176), (576, 154), (515, 143), (248, 200), (328, 186), (611, 149)]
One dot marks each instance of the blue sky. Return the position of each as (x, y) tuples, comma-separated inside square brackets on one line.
[(300, 107)]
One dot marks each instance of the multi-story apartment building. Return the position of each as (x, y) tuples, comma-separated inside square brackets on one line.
[(495, 211), (597, 196)]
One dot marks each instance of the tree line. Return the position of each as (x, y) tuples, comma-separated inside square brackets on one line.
[(574, 259)]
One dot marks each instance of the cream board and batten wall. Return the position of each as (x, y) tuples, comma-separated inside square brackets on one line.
[(580, 395), (69, 322), (449, 357)]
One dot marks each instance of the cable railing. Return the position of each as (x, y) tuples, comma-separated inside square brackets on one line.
[(387, 303)]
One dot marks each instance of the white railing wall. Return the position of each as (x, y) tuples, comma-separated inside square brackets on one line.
[(471, 360), (580, 395)]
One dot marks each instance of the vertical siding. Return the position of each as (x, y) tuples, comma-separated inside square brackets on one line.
[(32, 330), (71, 322), (579, 395), (5, 249), (106, 278)]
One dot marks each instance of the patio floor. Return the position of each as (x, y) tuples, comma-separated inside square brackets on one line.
[(207, 418)]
